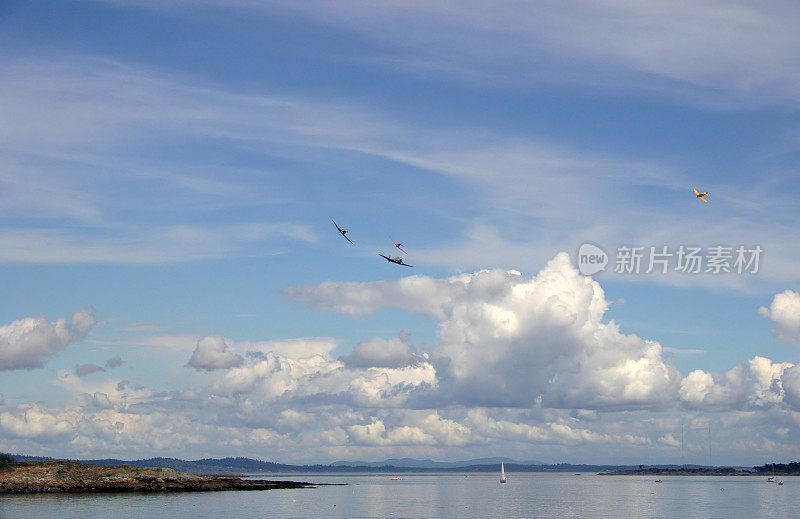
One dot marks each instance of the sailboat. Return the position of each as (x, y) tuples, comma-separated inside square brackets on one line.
[(502, 473), (771, 479)]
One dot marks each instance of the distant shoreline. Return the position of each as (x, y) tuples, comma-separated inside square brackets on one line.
[(723, 471), (238, 466)]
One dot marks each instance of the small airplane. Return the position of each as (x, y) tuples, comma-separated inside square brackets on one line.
[(397, 260), (398, 245), (342, 232), (702, 195)]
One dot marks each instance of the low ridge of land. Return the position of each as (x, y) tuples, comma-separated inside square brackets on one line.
[(684, 471), (72, 476)]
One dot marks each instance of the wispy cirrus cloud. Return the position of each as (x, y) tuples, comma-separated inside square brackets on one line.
[(579, 195), (722, 55)]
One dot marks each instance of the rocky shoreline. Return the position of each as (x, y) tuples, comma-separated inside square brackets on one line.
[(75, 477)]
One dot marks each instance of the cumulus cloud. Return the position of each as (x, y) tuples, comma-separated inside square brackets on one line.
[(392, 353), (790, 380), (551, 432), (34, 421), (296, 348), (752, 385), (375, 433), (785, 312), (213, 352), (27, 343), (323, 380), (510, 340), (517, 360)]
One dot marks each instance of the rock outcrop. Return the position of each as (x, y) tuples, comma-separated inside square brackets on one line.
[(71, 476)]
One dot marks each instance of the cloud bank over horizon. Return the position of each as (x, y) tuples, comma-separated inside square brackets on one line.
[(528, 361)]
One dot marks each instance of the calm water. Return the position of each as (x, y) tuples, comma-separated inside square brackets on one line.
[(450, 495)]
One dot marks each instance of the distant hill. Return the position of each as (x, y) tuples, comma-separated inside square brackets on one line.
[(251, 466)]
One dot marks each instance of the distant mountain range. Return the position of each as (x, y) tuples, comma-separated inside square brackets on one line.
[(253, 466)]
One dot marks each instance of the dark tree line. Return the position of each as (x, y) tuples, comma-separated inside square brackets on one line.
[(780, 468)]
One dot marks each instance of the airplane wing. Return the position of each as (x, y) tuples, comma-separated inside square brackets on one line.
[(703, 199), (397, 245), (387, 258), (696, 192), (341, 231)]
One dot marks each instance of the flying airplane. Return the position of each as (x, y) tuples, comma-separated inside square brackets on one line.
[(342, 232), (398, 245), (397, 260), (702, 195)]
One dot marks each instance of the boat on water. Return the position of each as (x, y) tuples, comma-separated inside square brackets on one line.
[(502, 473), (659, 481), (780, 482)]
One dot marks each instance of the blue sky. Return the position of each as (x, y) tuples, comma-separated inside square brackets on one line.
[(174, 170)]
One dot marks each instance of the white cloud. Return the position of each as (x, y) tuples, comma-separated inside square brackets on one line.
[(213, 352), (118, 393), (319, 378), (785, 312), (505, 339), (33, 421), (27, 343), (270, 378), (551, 432), (297, 348), (392, 353), (791, 386), (375, 433), (669, 440), (756, 384)]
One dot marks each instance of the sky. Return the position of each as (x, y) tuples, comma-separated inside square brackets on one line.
[(172, 283)]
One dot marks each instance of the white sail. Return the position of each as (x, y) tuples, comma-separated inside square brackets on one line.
[(502, 473)]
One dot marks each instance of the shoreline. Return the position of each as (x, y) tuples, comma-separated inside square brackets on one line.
[(688, 472), (75, 477)]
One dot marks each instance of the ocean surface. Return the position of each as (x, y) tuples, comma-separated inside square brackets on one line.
[(442, 495)]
